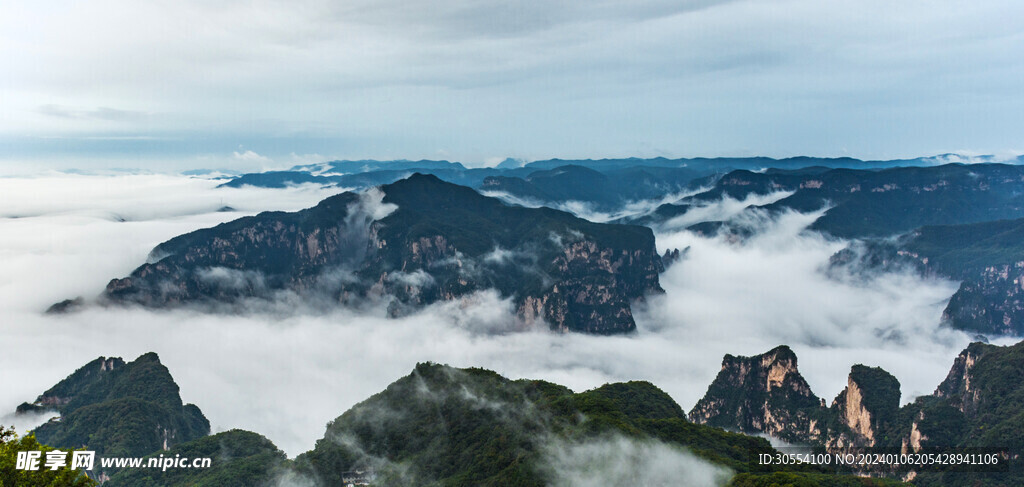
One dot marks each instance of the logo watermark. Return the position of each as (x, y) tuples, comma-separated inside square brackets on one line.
[(86, 460)]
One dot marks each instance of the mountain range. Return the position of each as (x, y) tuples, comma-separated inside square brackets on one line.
[(440, 425), (447, 426), (604, 184)]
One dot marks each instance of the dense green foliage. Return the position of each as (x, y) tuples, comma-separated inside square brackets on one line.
[(119, 409), (11, 444), (962, 250), (437, 426), (983, 411), (880, 392), (239, 459), (791, 479)]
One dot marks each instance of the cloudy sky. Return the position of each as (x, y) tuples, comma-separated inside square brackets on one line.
[(264, 83)]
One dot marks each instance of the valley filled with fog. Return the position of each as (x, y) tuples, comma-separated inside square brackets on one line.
[(287, 373)]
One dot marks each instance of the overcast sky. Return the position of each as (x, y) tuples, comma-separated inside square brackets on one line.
[(265, 83)]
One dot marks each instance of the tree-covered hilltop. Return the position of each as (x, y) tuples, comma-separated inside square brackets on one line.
[(118, 409), (416, 241)]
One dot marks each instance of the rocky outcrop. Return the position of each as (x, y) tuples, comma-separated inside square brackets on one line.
[(957, 389), (410, 244), (990, 301), (976, 406), (866, 408), (762, 394), (766, 394), (59, 397)]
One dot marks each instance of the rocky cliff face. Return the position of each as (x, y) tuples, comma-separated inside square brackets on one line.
[(958, 389), (766, 394), (865, 409), (990, 301), (411, 243), (763, 394), (977, 405)]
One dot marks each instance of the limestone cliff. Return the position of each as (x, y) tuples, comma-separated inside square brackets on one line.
[(762, 394), (865, 408), (978, 405), (957, 388), (766, 394)]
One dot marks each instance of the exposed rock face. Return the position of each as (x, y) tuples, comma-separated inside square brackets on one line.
[(990, 301), (977, 405), (957, 389), (766, 394), (866, 407), (763, 394), (854, 415), (413, 242)]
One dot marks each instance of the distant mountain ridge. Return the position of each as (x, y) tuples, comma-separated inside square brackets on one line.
[(625, 179), (873, 203)]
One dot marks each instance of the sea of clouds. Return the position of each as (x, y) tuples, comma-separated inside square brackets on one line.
[(287, 375)]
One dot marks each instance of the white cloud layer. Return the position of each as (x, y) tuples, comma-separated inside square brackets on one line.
[(285, 376)]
